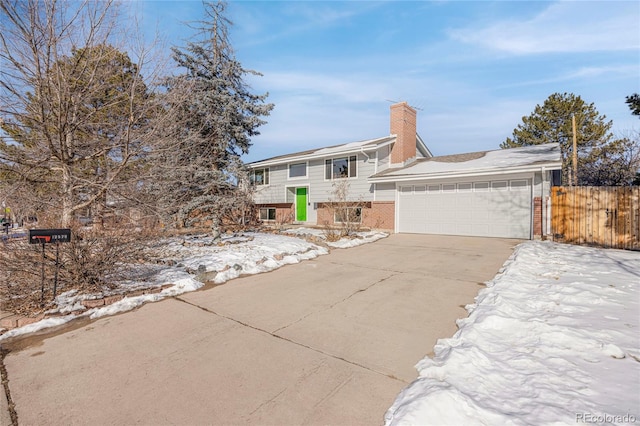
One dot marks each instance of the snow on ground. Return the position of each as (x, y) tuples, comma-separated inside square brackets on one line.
[(554, 339), (185, 263), (358, 238)]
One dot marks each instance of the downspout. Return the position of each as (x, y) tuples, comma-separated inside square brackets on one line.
[(375, 170), (364, 153), (543, 204)]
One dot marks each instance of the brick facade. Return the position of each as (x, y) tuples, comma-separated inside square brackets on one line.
[(382, 215), (285, 212), (537, 217), (375, 215)]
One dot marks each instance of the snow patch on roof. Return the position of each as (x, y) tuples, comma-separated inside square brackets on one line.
[(498, 159), (346, 147)]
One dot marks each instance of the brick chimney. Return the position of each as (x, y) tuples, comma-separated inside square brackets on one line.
[(403, 125)]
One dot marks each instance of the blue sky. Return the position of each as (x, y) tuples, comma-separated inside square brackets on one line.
[(472, 69)]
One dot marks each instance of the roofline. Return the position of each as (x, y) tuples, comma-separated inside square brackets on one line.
[(555, 165), (288, 158), (424, 145), (315, 155)]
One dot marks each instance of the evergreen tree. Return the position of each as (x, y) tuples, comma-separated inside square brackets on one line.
[(602, 159), (634, 103), (216, 117)]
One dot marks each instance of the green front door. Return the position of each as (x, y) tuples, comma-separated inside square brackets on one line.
[(301, 204)]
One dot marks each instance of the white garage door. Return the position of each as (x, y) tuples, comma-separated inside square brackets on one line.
[(485, 208)]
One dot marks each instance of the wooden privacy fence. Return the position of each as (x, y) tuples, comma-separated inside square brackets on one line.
[(602, 216)]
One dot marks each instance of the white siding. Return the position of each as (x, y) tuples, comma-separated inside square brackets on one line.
[(385, 192), (539, 188), (359, 188), (319, 188), (275, 191), (383, 158)]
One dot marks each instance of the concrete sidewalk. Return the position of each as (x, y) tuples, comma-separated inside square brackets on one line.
[(327, 341)]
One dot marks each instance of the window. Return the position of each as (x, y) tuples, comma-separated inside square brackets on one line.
[(268, 213), (519, 185), (338, 168), (481, 186), (499, 186), (406, 190), (348, 215), (433, 188), (259, 176), (298, 170), (464, 187), (448, 187)]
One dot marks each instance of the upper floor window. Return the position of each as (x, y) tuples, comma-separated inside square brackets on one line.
[(337, 168), (298, 170), (259, 176)]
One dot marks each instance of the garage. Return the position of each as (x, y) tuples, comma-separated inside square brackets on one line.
[(483, 208)]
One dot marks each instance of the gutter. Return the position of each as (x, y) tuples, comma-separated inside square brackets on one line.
[(314, 156)]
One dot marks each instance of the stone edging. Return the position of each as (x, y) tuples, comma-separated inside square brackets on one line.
[(9, 321)]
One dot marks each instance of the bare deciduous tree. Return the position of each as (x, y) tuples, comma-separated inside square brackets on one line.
[(77, 115), (346, 213), (77, 121)]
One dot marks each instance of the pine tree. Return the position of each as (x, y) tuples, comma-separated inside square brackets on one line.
[(601, 157), (216, 117), (634, 103)]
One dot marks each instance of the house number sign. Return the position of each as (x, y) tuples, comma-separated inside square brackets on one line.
[(47, 236), (44, 237)]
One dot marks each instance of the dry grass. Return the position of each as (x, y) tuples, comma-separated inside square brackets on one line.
[(90, 263)]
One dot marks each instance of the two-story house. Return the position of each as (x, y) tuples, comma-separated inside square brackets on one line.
[(398, 185)]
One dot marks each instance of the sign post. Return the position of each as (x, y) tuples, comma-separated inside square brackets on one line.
[(44, 237)]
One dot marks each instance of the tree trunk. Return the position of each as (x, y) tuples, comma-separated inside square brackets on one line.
[(67, 197)]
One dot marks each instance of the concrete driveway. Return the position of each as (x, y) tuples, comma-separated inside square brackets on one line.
[(327, 341)]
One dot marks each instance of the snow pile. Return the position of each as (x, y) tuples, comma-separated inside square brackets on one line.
[(184, 264), (358, 238), (251, 253), (554, 339)]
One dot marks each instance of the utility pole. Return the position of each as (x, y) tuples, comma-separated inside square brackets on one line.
[(575, 151)]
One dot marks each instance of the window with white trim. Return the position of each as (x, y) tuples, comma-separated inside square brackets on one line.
[(519, 185), (259, 176), (499, 186), (481, 186), (464, 187), (340, 168), (348, 215), (297, 170), (267, 213)]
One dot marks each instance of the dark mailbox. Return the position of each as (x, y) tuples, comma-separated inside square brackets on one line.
[(47, 236)]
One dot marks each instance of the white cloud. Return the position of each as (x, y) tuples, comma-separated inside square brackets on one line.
[(589, 72), (294, 19), (337, 87), (562, 27)]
